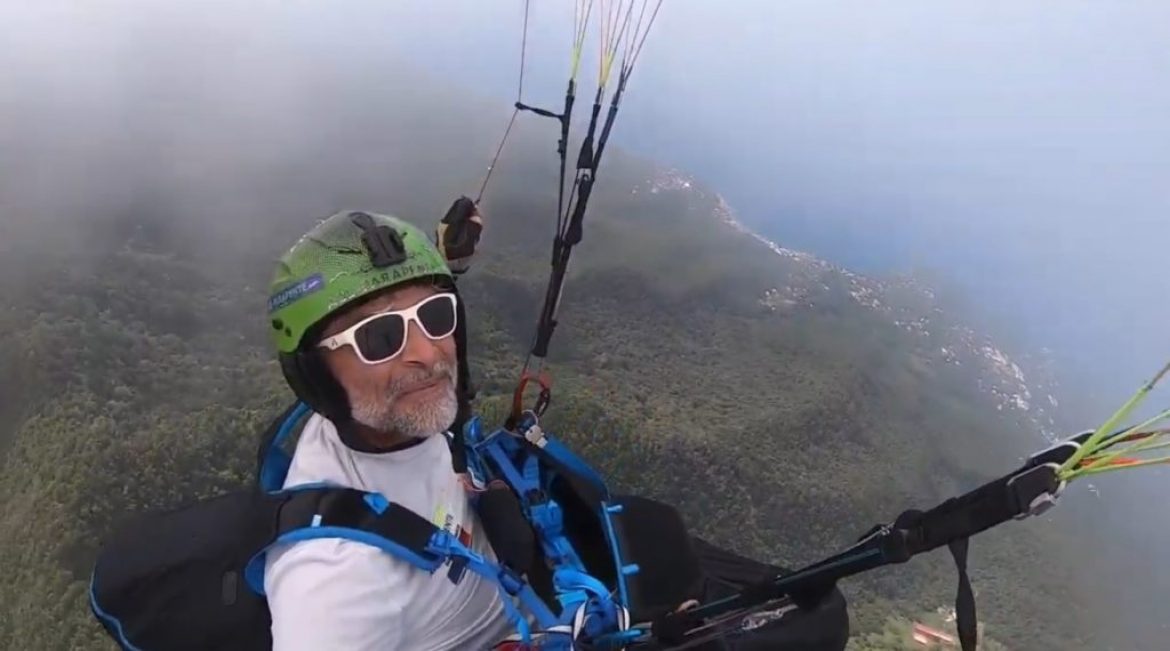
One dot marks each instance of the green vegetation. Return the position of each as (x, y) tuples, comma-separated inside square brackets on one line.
[(137, 377)]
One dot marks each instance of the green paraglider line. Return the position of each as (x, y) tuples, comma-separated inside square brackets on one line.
[(1138, 431), (1127, 466), (1094, 441), (1141, 442)]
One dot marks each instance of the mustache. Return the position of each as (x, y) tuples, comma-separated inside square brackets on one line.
[(443, 370)]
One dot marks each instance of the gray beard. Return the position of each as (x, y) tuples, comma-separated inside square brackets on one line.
[(380, 411)]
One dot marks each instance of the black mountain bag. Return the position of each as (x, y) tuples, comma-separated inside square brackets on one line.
[(175, 580)]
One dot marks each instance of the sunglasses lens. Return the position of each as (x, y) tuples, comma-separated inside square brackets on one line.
[(381, 338), (437, 316)]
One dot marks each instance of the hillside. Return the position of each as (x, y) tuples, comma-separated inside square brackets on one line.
[(785, 404)]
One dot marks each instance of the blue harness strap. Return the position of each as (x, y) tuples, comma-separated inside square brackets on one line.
[(564, 455), (319, 511), (587, 605), (529, 463), (275, 461)]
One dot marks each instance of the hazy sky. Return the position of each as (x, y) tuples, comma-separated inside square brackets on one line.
[(1022, 148)]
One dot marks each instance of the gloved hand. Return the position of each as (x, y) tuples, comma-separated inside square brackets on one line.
[(458, 234)]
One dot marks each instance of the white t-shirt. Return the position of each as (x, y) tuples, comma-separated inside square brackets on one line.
[(341, 595)]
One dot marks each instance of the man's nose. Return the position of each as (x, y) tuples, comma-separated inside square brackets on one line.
[(420, 350)]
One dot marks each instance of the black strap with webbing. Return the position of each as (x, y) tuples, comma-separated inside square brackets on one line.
[(350, 509), (1028, 491)]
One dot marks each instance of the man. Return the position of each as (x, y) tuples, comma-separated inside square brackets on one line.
[(368, 323), (370, 333)]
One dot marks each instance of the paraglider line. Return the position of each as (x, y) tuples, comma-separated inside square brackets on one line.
[(511, 121)]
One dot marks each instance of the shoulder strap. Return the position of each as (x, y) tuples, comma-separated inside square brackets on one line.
[(319, 511), (272, 461), (322, 511)]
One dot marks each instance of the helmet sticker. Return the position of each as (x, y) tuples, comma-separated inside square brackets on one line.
[(296, 292)]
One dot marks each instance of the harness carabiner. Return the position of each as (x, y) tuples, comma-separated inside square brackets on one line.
[(542, 400)]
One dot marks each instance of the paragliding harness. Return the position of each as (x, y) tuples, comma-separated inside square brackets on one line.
[(574, 564), (548, 516), (579, 567)]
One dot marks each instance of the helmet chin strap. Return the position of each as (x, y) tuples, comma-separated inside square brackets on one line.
[(464, 390)]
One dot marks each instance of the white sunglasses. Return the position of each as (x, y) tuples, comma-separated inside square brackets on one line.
[(381, 337)]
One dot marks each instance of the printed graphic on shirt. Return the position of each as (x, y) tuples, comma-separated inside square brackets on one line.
[(444, 518)]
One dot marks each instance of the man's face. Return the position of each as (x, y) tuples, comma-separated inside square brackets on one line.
[(411, 395)]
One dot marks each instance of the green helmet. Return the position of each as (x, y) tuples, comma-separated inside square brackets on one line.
[(345, 257)]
